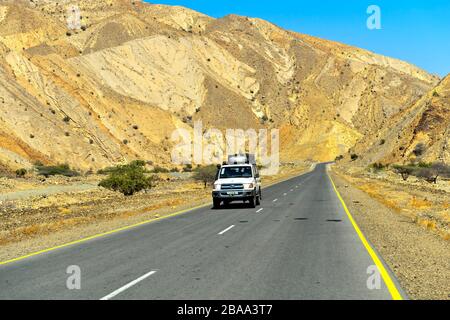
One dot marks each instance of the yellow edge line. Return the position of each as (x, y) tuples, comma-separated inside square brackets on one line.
[(102, 234), (120, 229), (385, 275)]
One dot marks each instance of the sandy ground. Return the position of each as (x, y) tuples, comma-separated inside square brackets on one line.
[(416, 253), (37, 223)]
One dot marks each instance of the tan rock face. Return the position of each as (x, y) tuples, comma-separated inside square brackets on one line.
[(115, 89), (425, 122)]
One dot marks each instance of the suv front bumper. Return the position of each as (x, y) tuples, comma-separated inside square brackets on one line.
[(234, 194)]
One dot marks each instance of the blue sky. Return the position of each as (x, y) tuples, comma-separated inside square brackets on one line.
[(412, 30)]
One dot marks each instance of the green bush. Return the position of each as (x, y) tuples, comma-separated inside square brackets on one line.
[(424, 165), (442, 169), (139, 163), (158, 169), (106, 170), (61, 170), (21, 172), (206, 174), (187, 168), (404, 171), (378, 166), (429, 172), (127, 179)]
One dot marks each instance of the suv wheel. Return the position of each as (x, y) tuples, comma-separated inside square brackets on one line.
[(253, 202), (216, 203)]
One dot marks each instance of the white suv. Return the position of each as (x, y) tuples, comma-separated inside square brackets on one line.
[(237, 182)]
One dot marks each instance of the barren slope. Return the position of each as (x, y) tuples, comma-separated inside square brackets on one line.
[(116, 89), (425, 122)]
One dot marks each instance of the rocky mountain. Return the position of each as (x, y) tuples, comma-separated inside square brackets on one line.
[(420, 132), (114, 88)]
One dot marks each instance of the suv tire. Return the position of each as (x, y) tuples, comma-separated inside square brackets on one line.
[(252, 202)]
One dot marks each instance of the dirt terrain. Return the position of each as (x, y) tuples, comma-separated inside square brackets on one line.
[(408, 223)]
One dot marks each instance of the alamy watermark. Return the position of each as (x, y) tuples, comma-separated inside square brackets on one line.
[(212, 146), (374, 20), (73, 282), (374, 279)]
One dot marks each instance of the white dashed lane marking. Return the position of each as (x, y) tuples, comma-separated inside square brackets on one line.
[(223, 231), (127, 286)]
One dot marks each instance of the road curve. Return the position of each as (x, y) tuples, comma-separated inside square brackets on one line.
[(299, 244)]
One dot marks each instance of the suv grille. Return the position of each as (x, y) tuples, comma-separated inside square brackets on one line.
[(230, 186)]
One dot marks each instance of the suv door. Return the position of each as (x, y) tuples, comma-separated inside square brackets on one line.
[(257, 179)]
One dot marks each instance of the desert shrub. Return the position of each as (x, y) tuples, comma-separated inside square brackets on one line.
[(378, 166), (174, 170), (419, 149), (139, 163), (340, 157), (422, 164), (404, 171), (187, 168), (428, 174), (61, 170), (442, 169), (127, 179), (354, 156), (21, 172), (206, 174), (382, 141), (106, 170), (158, 169)]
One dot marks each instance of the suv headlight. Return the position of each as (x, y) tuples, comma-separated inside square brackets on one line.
[(249, 186), (216, 186)]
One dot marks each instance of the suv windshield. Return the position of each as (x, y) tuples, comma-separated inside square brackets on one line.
[(235, 172)]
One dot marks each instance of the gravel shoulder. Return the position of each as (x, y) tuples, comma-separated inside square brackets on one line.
[(419, 257)]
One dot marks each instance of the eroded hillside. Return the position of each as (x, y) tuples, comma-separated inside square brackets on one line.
[(421, 132), (115, 89)]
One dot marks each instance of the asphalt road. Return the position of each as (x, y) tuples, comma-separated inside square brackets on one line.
[(299, 244)]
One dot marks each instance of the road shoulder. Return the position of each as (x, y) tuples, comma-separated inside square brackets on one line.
[(419, 259)]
